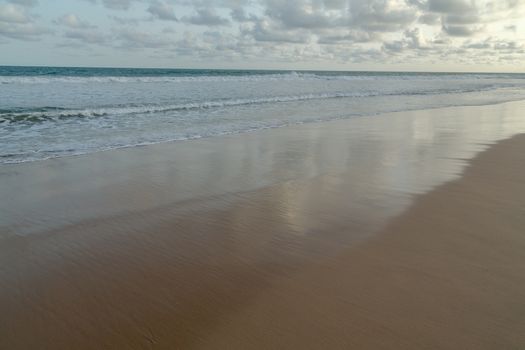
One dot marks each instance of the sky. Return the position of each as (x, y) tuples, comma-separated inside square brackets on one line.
[(415, 35)]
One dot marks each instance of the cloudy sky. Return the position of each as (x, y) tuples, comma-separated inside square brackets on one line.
[(432, 35)]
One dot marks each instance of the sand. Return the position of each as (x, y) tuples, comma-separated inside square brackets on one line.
[(350, 234), (447, 274)]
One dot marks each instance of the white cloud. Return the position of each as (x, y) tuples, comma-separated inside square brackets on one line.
[(206, 17), (136, 39), (16, 23), (383, 31), (162, 10), (28, 3), (10, 13), (115, 4), (87, 37), (72, 21)]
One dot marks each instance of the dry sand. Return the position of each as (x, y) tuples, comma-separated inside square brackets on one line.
[(293, 264)]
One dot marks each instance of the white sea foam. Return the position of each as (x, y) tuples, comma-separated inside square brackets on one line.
[(286, 76), (56, 114), (47, 116), (37, 79)]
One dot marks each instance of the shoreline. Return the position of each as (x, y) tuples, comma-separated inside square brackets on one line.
[(182, 171), (268, 235), (250, 131)]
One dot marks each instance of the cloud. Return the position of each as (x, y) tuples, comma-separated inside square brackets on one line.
[(301, 14), (115, 4), (469, 18), (413, 39), (381, 15), (462, 20), (16, 23), (450, 6), (264, 30), (206, 17), (87, 37), (495, 46), (346, 35), (372, 15), (429, 19), (72, 21), (125, 20), (26, 31), (382, 31), (459, 30), (13, 14), (136, 39), (27, 3), (328, 21), (162, 10), (480, 45), (509, 46), (239, 14), (80, 31)]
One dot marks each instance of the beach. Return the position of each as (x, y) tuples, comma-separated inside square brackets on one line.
[(447, 274), (401, 230)]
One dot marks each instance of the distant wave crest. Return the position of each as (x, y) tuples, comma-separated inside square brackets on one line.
[(57, 113), (259, 77), (43, 114), (37, 79)]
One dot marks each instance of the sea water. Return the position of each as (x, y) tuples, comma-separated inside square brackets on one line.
[(48, 112)]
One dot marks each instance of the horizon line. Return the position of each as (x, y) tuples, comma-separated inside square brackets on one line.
[(265, 69)]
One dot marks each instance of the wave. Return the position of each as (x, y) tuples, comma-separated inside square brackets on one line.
[(254, 77), (43, 114), (37, 79), (58, 113)]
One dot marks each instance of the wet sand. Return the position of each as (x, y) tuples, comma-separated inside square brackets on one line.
[(447, 274), (352, 234)]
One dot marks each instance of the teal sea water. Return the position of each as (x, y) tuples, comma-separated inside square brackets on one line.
[(48, 112)]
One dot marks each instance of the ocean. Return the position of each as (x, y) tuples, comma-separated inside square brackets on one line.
[(49, 112)]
